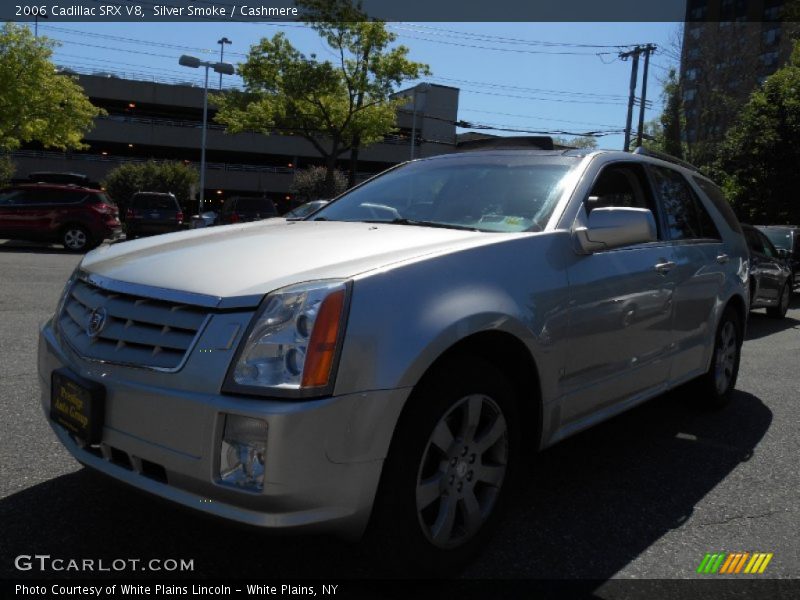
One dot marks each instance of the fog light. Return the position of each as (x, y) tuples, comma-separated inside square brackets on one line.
[(243, 452)]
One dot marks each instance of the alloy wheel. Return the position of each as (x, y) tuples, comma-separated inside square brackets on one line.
[(462, 471), (725, 359), (75, 239)]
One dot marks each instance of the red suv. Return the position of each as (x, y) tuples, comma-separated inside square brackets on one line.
[(77, 217)]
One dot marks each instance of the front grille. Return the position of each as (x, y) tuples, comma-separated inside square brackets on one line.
[(135, 330)]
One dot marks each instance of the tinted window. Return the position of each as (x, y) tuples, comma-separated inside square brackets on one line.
[(259, 205), (720, 203), (45, 196), (11, 197), (754, 241), (768, 248), (148, 202), (686, 217)]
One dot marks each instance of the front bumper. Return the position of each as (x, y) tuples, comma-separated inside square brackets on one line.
[(323, 462)]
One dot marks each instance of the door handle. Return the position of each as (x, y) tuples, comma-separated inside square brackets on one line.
[(723, 258), (665, 267)]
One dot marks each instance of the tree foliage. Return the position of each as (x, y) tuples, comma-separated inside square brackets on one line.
[(124, 181), (586, 142), (336, 105), (37, 104), (761, 151), (310, 184), (7, 169)]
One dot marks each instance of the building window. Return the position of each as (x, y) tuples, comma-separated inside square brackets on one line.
[(769, 58), (771, 36), (691, 74), (693, 54), (689, 95), (695, 32), (773, 13)]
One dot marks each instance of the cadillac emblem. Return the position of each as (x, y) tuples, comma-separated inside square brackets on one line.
[(96, 322)]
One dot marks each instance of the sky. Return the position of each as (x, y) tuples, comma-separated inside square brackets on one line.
[(529, 76)]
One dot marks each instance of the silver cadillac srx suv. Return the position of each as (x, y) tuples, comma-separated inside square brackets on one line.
[(383, 366)]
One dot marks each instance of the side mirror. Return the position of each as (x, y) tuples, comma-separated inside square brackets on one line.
[(609, 227)]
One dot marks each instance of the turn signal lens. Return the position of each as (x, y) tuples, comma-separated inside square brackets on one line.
[(322, 346)]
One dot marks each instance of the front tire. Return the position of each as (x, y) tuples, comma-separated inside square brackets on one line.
[(451, 462), (779, 312), (717, 385)]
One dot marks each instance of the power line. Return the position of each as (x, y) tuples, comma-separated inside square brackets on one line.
[(527, 89), (500, 39)]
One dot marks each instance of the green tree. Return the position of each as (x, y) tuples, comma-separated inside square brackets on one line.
[(664, 133), (761, 151), (124, 181), (7, 168), (337, 106), (37, 104), (586, 142), (310, 183)]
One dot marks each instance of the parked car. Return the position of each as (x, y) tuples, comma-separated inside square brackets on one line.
[(770, 277), (305, 209), (77, 217), (242, 210), (152, 213), (786, 239), (366, 371)]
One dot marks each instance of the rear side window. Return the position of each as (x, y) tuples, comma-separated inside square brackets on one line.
[(686, 217), (720, 203), (260, 205)]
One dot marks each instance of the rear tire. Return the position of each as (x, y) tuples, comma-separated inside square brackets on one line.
[(717, 385), (75, 238), (452, 460), (779, 312)]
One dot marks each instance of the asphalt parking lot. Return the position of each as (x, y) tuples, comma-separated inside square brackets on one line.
[(645, 495)]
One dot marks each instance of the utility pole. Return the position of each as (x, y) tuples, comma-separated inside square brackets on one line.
[(634, 54), (648, 49)]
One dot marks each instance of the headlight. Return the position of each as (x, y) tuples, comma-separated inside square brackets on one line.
[(293, 343)]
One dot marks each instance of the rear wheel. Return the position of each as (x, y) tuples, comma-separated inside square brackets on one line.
[(76, 238), (779, 312), (451, 462), (717, 385)]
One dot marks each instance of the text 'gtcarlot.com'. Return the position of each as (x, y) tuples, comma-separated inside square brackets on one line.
[(45, 562)]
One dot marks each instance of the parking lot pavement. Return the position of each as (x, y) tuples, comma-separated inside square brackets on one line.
[(644, 495)]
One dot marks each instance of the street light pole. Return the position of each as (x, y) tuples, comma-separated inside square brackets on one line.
[(203, 144), (223, 69), (222, 43)]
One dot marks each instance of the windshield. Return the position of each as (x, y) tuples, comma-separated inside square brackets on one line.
[(496, 192), (780, 238)]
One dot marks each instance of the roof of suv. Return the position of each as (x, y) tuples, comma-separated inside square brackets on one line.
[(56, 186)]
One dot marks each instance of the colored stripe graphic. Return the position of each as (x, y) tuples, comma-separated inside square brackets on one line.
[(730, 563), (741, 562)]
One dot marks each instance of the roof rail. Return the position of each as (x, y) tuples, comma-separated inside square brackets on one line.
[(666, 157)]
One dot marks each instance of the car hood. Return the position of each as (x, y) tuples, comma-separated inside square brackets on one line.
[(255, 258)]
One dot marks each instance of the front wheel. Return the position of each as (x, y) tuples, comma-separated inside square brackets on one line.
[(450, 464), (779, 312), (716, 386)]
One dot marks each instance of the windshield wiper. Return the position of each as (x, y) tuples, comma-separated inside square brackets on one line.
[(414, 222)]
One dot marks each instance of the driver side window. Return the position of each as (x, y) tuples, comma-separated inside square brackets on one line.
[(622, 185)]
